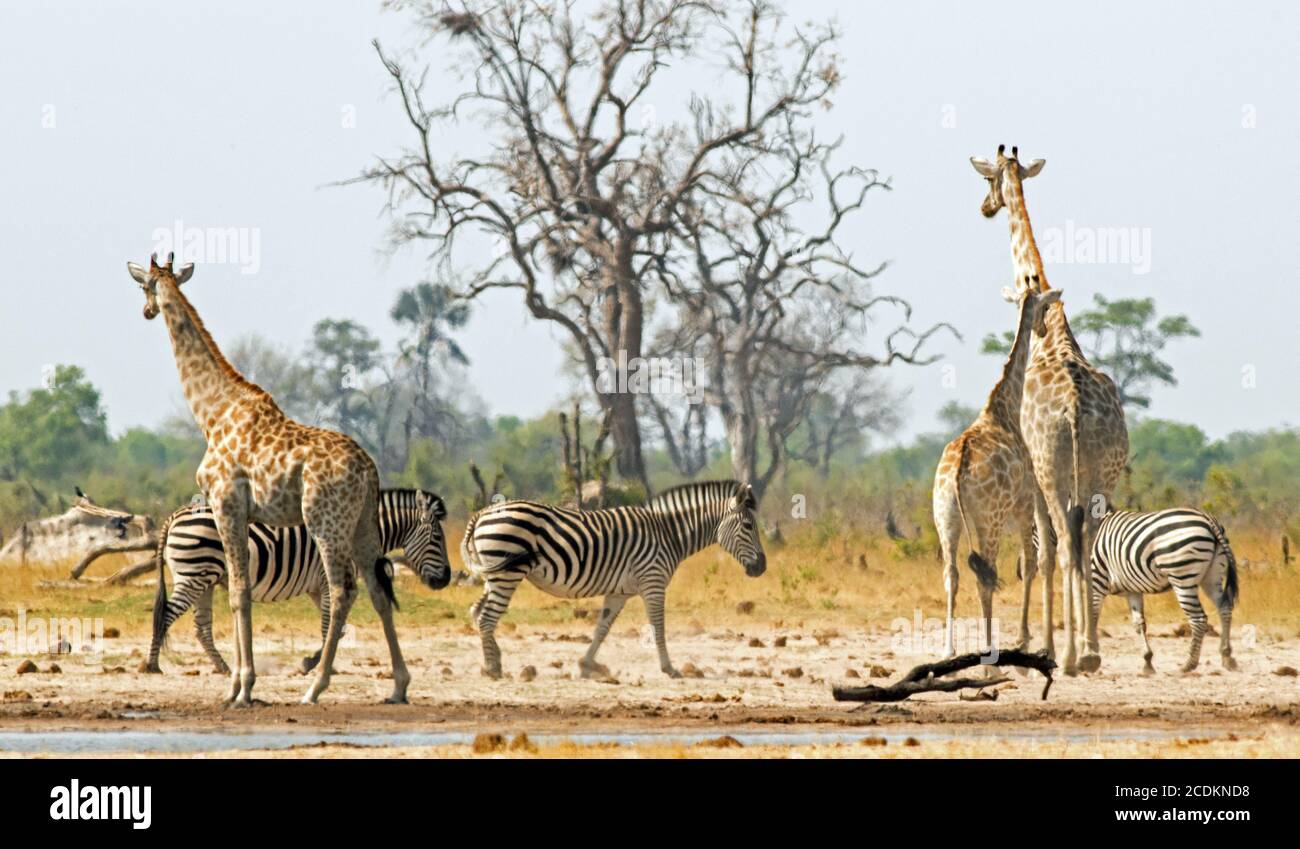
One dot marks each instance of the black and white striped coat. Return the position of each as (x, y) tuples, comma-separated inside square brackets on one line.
[(283, 563), (618, 552), (1184, 549)]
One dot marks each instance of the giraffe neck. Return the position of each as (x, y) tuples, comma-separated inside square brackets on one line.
[(1004, 401), (211, 385), (1028, 265)]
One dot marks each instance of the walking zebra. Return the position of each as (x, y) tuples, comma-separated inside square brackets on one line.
[(1140, 553), (618, 552), (283, 563)]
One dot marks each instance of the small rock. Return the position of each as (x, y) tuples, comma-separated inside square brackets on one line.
[(446, 672), (1285, 671), (111, 633), (55, 669), (488, 743), (113, 670), (873, 741), (726, 741), (190, 672), (745, 607), (779, 642), (557, 664), (17, 696), (756, 643), (578, 613), (27, 667), (528, 673), (690, 670), (851, 673), (879, 672), (911, 741), (793, 672)]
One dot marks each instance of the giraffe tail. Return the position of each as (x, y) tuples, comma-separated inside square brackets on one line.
[(984, 571)]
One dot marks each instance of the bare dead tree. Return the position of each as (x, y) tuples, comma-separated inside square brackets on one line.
[(576, 186), (775, 311), (842, 415)]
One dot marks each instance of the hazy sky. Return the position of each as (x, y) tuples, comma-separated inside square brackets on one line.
[(1176, 123)]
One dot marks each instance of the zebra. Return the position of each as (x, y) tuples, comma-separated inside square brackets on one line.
[(1140, 553), (617, 552), (283, 563)]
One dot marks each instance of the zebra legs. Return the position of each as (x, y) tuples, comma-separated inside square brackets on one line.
[(1190, 601), (1137, 612), (322, 600), (1218, 594), (654, 608), (491, 606), (203, 630), (613, 607)]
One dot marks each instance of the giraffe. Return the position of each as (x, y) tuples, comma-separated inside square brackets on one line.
[(985, 476), (260, 465), (1071, 420)]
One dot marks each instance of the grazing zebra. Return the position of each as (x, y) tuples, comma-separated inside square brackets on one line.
[(618, 552), (283, 563), (1141, 553)]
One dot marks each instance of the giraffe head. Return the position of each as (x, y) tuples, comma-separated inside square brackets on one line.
[(149, 279), (1003, 174), (1036, 302), (738, 532)]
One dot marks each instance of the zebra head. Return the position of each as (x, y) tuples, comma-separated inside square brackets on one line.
[(425, 545), (738, 532)]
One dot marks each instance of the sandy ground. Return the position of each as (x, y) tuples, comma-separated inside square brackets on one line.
[(738, 680)]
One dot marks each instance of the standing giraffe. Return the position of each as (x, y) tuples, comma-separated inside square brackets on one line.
[(1071, 420), (985, 476), (262, 466)]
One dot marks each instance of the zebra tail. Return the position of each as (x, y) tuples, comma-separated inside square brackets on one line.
[(384, 577), (1230, 578), (469, 551), (985, 573), (160, 597)]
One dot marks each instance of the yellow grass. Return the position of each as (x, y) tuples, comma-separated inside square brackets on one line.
[(807, 584)]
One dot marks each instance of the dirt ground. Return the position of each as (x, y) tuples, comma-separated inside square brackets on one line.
[(763, 678)]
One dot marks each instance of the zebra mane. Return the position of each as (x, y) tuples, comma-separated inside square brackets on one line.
[(672, 498)]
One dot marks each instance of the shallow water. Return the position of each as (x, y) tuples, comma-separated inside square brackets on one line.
[(183, 742)]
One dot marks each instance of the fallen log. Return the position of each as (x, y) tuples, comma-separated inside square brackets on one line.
[(928, 677), (126, 573), (148, 543)]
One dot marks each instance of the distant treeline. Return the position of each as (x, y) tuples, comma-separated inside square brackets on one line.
[(56, 437)]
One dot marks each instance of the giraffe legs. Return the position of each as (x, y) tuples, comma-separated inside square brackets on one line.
[(948, 523), (230, 513), (384, 607), (341, 576), (608, 613), (1091, 660), (498, 589), (1046, 557)]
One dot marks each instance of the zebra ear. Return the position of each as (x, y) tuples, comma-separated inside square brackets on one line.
[(747, 499), (439, 509)]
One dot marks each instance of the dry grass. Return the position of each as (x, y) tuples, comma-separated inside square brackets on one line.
[(809, 584)]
